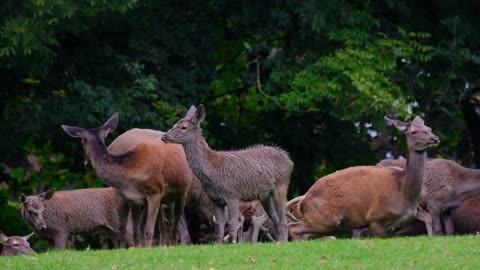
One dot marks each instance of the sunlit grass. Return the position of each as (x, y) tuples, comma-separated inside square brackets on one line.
[(400, 253)]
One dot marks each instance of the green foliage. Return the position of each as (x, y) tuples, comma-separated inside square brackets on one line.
[(28, 39), (357, 81)]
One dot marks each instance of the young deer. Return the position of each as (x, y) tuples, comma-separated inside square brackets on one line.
[(257, 173), (150, 172), (53, 215), (377, 197), (15, 245)]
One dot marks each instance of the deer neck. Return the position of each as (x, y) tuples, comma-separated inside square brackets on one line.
[(413, 182), (198, 155), (107, 166)]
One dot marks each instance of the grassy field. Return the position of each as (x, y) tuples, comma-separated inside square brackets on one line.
[(400, 253)]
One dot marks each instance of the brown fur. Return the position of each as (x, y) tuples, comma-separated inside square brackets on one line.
[(466, 218), (444, 181), (54, 217), (144, 169), (366, 196)]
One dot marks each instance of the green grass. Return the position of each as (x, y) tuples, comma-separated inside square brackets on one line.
[(458, 252)]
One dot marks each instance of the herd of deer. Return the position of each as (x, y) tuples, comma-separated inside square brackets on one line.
[(156, 179)]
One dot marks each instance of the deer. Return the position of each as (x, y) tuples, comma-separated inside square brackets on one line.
[(147, 172), (15, 245), (55, 215), (200, 208), (373, 197), (447, 184), (466, 218), (257, 173)]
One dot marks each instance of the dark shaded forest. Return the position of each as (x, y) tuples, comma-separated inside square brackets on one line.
[(313, 77)]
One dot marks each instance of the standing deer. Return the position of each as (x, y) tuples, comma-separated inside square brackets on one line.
[(377, 197), (15, 245), (257, 173), (147, 173), (447, 184)]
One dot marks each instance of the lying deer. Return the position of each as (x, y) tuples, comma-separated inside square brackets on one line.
[(148, 173), (15, 245), (256, 173), (367, 196)]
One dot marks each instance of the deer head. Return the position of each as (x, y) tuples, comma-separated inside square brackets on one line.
[(15, 245), (185, 129), (93, 137), (33, 208), (419, 136)]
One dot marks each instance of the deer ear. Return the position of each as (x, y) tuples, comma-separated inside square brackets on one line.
[(191, 112), (47, 195), (111, 124), (401, 126), (22, 198), (27, 236), (3, 238), (75, 132), (418, 120), (200, 114)]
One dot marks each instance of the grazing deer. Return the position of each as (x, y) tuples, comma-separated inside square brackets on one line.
[(257, 173), (447, 184), (15, 245), (148, 172), (54, 216), (357, 197)]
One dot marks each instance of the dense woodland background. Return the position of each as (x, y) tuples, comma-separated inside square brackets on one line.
[(314, 77)]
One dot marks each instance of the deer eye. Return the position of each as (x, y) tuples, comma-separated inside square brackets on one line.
[(414, 132), (183, 128)]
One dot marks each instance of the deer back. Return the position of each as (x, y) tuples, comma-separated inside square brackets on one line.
[(361, 193)]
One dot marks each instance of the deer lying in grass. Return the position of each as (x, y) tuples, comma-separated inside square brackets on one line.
[(446, 182), (367, 196), (257, 173), (54, 216), (146, 171), (15, 245)]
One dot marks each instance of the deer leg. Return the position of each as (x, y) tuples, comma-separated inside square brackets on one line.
[(240, 234), (233, 214), (274, 207), (183, 230), (267, 234), (177, 215), (153, 205), (377, 229), (137, 220), (219, 222), (435, 212), (163, 226), (426, 218), (123, 209), (60, 240), (447, 222), (257, 224), (298, 231)]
